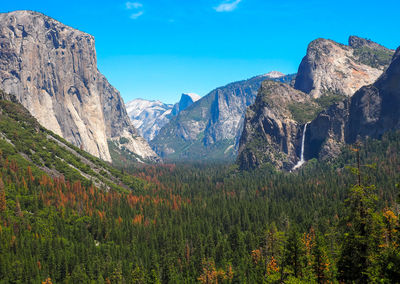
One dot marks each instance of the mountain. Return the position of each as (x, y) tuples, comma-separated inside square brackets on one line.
[(210, 128), (150, 116), (187, 99), (68, 217), (271, 130), (52, 70), (372, 111), (26, 143), (318, 106), (333, 68)]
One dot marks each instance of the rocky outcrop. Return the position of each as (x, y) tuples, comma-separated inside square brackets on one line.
[(187, 99), (375, 109), (271, 134), (325, 135), (210, 128), (272, 129), (371, 111), (332, 68), (52, 70), (150, 116)]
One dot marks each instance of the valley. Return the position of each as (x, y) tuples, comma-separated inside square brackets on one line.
[(278, 178)]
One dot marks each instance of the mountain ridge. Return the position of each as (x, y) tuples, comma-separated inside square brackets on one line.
[(51, 66), (325, 109), (150, 116), (210, 128)]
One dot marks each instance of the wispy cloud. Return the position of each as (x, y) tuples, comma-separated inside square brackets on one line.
[(227, 6), (135, 6), (134, 16)]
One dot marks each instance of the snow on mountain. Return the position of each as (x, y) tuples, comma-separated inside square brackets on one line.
[(150, 116), (274, 74)]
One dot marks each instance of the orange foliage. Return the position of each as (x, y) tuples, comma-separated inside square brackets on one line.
[(101, 214), (256, 255), (272, 266), (3, 201), (212, 275), (389, 231), (29, 172), (138, 219), (47, 281)]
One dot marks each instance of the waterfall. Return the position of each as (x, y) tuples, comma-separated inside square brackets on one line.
[(301, 162)]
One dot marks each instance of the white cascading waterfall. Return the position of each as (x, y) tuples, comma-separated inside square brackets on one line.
[(301, 162)]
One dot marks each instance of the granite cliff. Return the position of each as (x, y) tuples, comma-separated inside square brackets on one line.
[(324, 104), (272, 133), (370, 112), (333, 68), (52, 70), (210, 128)]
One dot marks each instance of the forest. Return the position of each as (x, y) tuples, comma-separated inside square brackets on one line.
[(330, 222), (208, 224)]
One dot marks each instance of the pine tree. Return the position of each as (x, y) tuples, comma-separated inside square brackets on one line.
[(361, 233), (3, 201), (294, 253)]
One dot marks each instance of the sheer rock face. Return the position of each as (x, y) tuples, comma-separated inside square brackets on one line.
[(333, 68), (210, 128), (326, 133), (52, 70), (375, 109), (270, 132), (371, 111)]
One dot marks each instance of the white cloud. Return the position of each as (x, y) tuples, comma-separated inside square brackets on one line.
[(227, 6), (133, 5), (136, 8), (134, 16)]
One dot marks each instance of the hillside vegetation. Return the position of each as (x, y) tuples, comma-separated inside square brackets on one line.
[(193, 223)]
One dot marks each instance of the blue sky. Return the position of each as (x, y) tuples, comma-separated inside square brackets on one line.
[(157, 49)]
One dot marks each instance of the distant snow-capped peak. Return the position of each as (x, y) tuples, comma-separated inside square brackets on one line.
[(274, 74)]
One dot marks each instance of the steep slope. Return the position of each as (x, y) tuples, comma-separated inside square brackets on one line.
[(52, 70), (210, 128), (328, 75), (187, 99), (332, 68), (24, 141), (375, 109), (271, 131), (372, 111), (149, 117)]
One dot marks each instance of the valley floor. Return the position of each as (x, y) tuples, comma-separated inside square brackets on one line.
[(206, 223)]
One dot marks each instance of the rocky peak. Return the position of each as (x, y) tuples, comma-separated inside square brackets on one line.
[(149, 116), (271, 132), (330, 68), (274, 74), (329, 72), (52, 70), (187, 99), (370, 112)]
